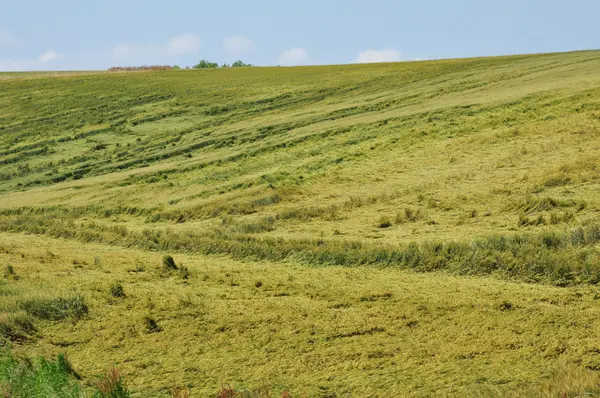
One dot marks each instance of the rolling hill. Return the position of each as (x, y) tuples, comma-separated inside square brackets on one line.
[(417, 228)]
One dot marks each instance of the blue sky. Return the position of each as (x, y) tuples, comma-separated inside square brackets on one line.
[(94, 34)]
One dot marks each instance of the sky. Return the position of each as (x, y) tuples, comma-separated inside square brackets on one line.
[(98, 34)]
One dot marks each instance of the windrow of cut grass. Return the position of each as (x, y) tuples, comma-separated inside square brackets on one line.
[(562, 258)]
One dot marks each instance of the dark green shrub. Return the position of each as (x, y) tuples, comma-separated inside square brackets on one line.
[(240, 64), (204, 64)]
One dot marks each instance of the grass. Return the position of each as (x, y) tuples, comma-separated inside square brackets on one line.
[(417, 228), (44, 379), (309, 330)]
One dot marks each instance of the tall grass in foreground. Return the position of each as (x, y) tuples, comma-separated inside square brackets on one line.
[(41, 379), (57, 379), (52, 378)]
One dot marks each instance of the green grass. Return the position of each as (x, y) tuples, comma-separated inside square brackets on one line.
[(414, 228), (44, 379)]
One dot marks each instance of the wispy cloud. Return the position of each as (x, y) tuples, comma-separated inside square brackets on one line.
[(138, 54), (237, 46), (50, 56), (184, 44), (44, 61), (374, 56), (294, 56)]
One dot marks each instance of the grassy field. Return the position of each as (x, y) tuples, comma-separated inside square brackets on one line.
[(421, 228)]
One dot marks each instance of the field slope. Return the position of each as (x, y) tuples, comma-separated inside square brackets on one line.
[(422, 228)]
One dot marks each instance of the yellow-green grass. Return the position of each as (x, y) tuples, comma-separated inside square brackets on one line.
[(332, 186), (463, 142), (363, 331)]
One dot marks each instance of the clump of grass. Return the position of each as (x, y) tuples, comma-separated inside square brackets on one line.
[(56, 309), (266, 224), (558, 218), (384, 222), (409, 215), (525, 220), (184, 272), (10, 273), (116, 290), (16, 326), (169, 268), (151, 325), (169, 263)]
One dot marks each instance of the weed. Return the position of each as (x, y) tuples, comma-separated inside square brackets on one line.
[(9, 273), (112, 386), (181, 392)]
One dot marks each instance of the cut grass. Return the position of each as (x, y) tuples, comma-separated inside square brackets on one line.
[(364, 331), (367, 173)]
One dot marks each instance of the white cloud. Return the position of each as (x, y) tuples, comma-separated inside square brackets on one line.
[(26, 64), (293, 56), (183, 44), (238, 45), (373, 56), (50, 56)]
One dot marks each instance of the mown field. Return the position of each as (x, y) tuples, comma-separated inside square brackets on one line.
[(421, 228)]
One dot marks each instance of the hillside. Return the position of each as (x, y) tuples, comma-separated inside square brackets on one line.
[(381, 230)]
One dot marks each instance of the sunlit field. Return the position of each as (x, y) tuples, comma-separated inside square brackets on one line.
[(408, 229)]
